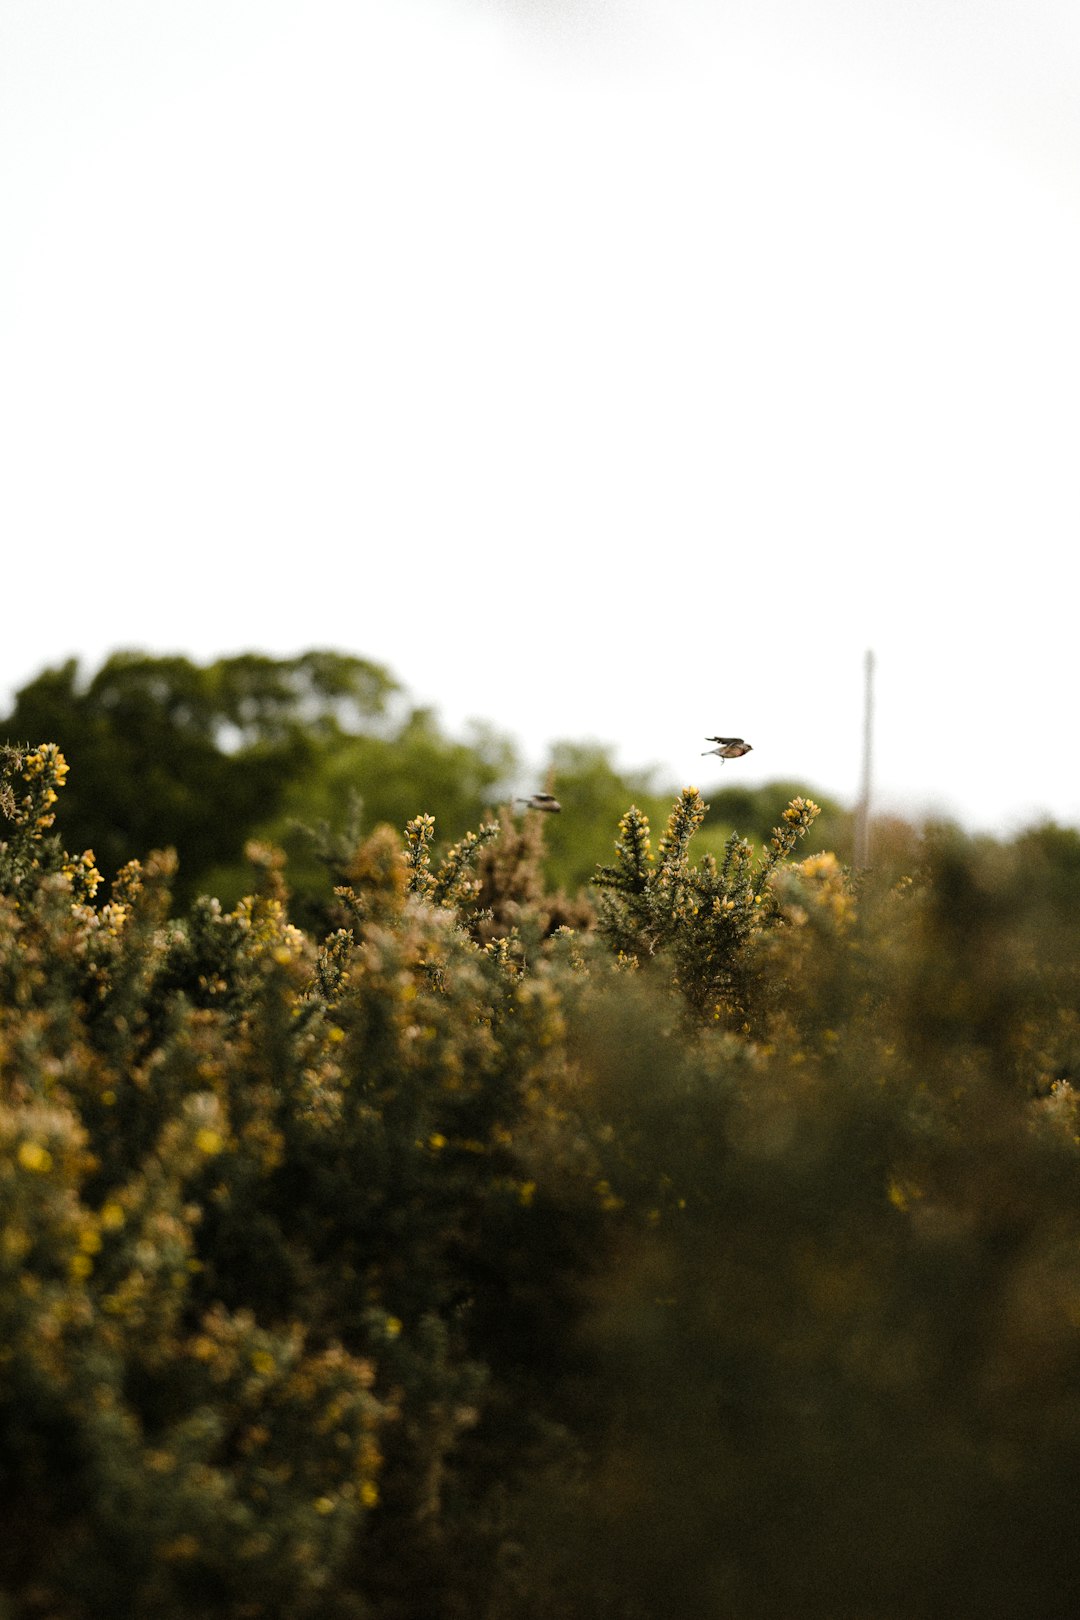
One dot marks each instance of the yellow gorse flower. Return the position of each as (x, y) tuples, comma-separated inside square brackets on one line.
[(34, 1157)]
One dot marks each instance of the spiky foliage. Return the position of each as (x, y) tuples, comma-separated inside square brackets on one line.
[(703, 920), (258, 1194), (511, 897)]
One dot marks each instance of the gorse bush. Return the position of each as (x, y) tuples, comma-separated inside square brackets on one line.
[(707, 918), (719, 1255), (251, 1190)]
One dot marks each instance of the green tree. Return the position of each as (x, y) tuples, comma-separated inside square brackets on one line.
[(166, 752)]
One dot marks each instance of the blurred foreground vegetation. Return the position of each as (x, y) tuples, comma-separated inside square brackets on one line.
[(711, 1250)]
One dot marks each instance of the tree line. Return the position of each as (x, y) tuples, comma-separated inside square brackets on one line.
[(254, 746)]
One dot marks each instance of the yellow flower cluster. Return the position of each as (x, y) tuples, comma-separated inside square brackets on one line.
[(83, 875)]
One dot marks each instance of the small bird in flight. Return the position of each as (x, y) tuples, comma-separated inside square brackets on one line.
[(540, 801), (730, 748)]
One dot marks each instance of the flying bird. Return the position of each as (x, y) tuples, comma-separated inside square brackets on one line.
[(540, 801), (730, 748)]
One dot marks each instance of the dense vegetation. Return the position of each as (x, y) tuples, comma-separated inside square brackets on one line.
[(258, 747), (713, 1249)]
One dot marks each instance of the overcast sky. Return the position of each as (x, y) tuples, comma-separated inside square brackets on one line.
[(614, 369)]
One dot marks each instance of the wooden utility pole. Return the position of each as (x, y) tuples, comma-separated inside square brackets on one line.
[(862, 813)]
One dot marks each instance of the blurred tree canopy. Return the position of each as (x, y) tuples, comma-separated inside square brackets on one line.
[(167, 752)]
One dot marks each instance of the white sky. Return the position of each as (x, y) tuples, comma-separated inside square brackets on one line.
[(610, 370)]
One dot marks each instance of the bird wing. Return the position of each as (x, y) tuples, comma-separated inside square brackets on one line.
[(724, 740)]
